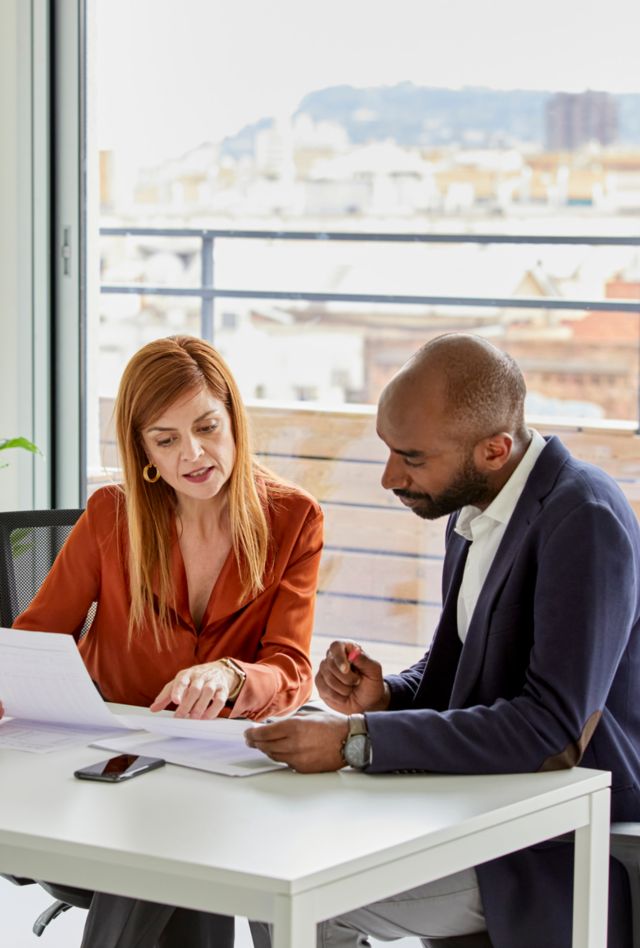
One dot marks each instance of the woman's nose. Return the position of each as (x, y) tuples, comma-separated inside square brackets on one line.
[(192, 449)]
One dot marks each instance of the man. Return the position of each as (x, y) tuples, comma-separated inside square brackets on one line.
[(535, 663)]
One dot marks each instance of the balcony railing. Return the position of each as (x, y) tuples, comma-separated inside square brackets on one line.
[(208, 291)]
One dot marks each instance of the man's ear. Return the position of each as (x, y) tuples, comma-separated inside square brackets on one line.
[(492, 453)]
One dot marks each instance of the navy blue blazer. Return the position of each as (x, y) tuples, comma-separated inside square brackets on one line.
[(548, 677)]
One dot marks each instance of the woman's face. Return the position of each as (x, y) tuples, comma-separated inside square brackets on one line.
[(192, 445)]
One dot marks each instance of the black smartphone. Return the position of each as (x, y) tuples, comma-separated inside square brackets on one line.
[(117, 769)]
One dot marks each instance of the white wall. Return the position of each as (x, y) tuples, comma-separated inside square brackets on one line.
[(11, 417), (25, 297)]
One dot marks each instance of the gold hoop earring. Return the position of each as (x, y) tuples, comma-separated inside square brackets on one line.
[(148, 476)]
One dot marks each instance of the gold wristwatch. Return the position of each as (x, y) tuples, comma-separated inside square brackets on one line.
[(240, 672)]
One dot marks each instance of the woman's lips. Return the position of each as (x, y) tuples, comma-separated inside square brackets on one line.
[(199, 476)]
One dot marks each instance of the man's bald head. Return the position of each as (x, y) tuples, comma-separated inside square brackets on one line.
[(478, 387)]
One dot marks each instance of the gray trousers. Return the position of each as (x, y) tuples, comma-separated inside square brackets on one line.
[(441, 909), (445, 907), (118, 922)]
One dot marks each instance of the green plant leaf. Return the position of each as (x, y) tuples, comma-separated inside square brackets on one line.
[(21, 541), (19, 443)]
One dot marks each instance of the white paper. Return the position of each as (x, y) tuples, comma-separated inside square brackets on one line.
[(45, 687), (230, 758), (40, 738), (220, 729), (43, 678)]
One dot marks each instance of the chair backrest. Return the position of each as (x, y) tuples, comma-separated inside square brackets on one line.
[(30, 540)]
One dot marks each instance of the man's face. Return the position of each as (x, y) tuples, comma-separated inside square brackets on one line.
[(430, 468)]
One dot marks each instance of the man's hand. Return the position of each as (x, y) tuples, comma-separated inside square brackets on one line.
[(199, 692), (310, 743), (351, 682)]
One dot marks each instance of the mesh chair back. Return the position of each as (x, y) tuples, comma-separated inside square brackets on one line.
[(30, 540)]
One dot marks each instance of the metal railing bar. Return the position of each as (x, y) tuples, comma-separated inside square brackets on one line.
[(509, 302), (395, 554), (370, 237), (319, 457)]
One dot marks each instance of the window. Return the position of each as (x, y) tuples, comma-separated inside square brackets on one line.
[(232, 162)]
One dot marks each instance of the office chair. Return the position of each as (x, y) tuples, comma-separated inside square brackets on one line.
[(29, 543)]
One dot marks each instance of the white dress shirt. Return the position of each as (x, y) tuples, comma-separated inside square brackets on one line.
[(485, 528)]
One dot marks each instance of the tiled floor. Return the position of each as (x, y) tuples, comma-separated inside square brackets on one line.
[(20, 906)]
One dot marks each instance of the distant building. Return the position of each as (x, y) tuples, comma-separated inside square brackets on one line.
[(573, 120)]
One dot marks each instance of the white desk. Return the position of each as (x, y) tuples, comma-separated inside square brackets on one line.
[(289, 848)]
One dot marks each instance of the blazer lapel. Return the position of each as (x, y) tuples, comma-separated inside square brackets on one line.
[(539, 483), (444, 654)]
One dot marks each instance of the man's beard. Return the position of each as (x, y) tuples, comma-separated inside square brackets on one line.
[(468, 487)]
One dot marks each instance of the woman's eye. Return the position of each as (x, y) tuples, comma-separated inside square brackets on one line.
[(207, 429), (165, 443)]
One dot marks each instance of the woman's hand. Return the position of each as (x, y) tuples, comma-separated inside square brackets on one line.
[(199, 692), (351, 682)]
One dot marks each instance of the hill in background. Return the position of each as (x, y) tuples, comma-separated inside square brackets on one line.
[(423, 116)]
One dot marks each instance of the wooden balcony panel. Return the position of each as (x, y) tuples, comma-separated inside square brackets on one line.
[(394, 529), (368, 620), (342, 434), (381, 568), (397, 578)]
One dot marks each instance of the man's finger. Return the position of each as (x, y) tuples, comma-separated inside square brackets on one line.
[(267, 734), (342, 653), (343, 684), (332, 697)]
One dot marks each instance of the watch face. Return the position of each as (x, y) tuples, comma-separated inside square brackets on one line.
[(356, 750)]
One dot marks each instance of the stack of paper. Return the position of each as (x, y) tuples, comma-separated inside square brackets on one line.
[(51, 703)]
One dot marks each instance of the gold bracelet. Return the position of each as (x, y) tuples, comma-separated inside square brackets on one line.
[(240, 672)]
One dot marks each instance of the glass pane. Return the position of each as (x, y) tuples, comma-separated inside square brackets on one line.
[(321, 195)]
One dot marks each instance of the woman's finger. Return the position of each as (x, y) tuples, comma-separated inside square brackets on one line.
[(212, 689), (163, 699)]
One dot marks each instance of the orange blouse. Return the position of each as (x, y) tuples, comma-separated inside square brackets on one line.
[(268, 635)]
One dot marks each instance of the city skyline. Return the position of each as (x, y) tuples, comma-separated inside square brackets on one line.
[(201, 70)]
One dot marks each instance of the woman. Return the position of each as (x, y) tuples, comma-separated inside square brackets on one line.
[(203, 566)]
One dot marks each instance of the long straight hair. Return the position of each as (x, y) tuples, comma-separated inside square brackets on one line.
[(156, 376)]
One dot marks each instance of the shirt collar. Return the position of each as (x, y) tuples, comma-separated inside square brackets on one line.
[(472, 521)]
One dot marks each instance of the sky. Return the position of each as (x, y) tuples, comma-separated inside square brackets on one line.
[(169, 74)]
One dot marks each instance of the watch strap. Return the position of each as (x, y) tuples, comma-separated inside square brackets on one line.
[(240, 672)]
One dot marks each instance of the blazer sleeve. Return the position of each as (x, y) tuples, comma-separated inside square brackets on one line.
[(585, 578), (281, 680), (72, 584)]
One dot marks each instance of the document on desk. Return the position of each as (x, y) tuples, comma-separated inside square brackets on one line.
[(52, 703), (47, 692), (165, 723), (231, 758)]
